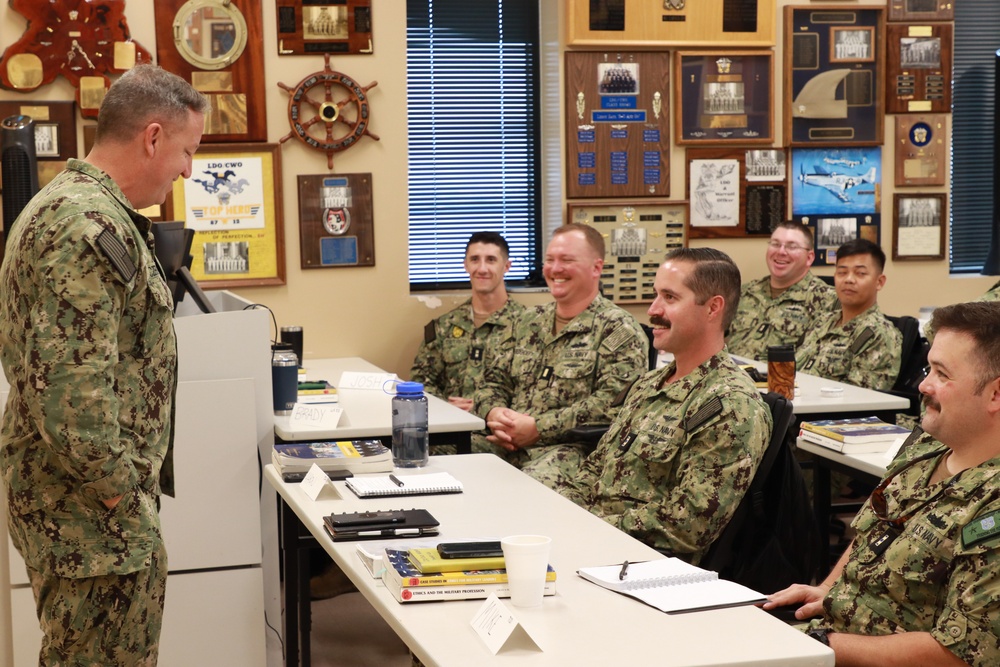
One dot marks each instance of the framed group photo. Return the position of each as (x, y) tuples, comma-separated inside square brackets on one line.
[(919, 229), (723, 97), (832, 230)]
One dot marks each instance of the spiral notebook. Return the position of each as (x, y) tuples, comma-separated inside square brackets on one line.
[(376, 486), (672, 585)]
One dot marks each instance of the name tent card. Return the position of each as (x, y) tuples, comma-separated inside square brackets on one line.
[(498, 627), (315, 481), (319, 415), (366, 381)]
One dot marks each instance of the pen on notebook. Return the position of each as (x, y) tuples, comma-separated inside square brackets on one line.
[(395, 480), (624, 572), (398, 532)]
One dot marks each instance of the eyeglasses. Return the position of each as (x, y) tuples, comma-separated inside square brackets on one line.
[(789, 247)]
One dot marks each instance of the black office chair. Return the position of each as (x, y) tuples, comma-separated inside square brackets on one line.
[(653, 352), (913, 359), (772, 540)]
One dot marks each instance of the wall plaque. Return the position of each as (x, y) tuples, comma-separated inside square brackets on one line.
[(617, 124), (335, 221), (636, 236), (918, 68), (921, 10), (922, 149), (311, 27)]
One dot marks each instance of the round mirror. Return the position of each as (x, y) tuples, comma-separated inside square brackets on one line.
[(210, 34)]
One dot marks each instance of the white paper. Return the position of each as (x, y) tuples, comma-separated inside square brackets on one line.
[(890, 453), (315, 481), (323, 415), (367, 381), (494, 623)]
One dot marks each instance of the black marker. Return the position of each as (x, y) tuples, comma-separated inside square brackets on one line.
[(395, 480), (624, 572)]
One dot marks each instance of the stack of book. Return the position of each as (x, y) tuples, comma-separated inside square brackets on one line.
[(358, 456), (407, 583), (860, 435)]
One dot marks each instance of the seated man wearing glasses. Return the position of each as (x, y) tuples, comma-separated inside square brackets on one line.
[(779, 308), (920, 584)]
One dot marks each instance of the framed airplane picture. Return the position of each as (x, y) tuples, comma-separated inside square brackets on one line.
[(840, 180)]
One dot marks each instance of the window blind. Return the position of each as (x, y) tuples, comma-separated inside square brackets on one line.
[(473, 127)]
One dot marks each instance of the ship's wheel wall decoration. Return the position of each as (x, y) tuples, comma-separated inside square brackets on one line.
[(83, 40), (328, 111)]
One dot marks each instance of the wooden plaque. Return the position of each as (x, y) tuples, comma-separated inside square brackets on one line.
[(335, 221), (918, 232), (732, 195), (636, 236), (677, 22), (833, 75), (921, 10), (834, 230), (922, 149), (315, 27), (617, 124), (918, 68), (232, 84)]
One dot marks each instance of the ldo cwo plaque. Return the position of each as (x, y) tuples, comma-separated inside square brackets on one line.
[(617, 124)]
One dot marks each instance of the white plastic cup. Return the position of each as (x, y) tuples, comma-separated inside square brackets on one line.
[(526, 558)]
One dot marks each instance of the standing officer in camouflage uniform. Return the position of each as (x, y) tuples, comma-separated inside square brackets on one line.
[(920, 585), (855, 344), (781, 307), (87, 342), (451, 360), (561, 364), (688, 439)]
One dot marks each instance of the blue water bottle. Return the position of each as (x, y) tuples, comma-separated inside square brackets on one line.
[(409, 426)]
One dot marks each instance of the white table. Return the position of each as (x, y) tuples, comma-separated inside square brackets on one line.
[(852, 400), (368, 414), (583, 624)]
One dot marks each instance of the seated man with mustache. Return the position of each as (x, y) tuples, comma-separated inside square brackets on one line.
[(687, 441)]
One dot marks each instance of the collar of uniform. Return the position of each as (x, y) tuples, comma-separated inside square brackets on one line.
[(972, 479), (101, 177), (687, 383), (585, 320)]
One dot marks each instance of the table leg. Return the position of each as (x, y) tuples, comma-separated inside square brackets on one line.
[(821, 506), (292, 566)]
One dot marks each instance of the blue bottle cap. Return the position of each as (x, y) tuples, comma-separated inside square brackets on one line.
[(409, 388)]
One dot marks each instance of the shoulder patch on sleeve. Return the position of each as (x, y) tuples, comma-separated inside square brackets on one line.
[(866, 335), (981, 529), (117, 254), (706, 412), (620, 336), (619, 400), (430, 332)]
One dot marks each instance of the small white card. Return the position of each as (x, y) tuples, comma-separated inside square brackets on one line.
[(366, 381), (324, 415), (495, 625), (890, 453), (315, 481)]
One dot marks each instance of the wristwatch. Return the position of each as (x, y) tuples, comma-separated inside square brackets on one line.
[(820, 635)]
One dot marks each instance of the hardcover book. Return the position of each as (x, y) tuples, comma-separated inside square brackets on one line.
[(855, 431), (429, 561)]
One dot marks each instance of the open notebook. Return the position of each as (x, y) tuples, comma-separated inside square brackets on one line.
[(671, 585), (375, 486)]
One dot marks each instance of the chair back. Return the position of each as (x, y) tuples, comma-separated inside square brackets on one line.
[(912, 360)]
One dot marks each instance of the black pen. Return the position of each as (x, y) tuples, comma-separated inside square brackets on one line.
[(395, 480), (624, 572)]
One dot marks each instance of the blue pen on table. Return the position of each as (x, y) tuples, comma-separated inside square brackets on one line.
[(624, 572), (395, 480)]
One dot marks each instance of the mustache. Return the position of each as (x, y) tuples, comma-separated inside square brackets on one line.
[(658, 321), (929, 402)]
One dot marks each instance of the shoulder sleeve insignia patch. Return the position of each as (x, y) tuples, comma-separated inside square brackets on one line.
[(865, 336), (117, 254), (706, 412), (430, 332)]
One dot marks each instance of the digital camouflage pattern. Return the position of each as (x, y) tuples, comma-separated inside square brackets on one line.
[(451, 360), (678, 458), (865, 352), (930, 578), (87, 343), (563, 380), (762, 321), (992, 294)]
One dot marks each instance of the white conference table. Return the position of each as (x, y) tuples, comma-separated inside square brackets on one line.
[(368, 413), (809, 399), (583, 624)]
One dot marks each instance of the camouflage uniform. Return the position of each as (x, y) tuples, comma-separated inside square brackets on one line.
[(678, 458), (87, 342), (941, 574), (452, 358), (992, 294), (864, 352), (762, 321), (563, 380)]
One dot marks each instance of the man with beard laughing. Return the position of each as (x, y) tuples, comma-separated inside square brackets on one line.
[(688, 439)]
